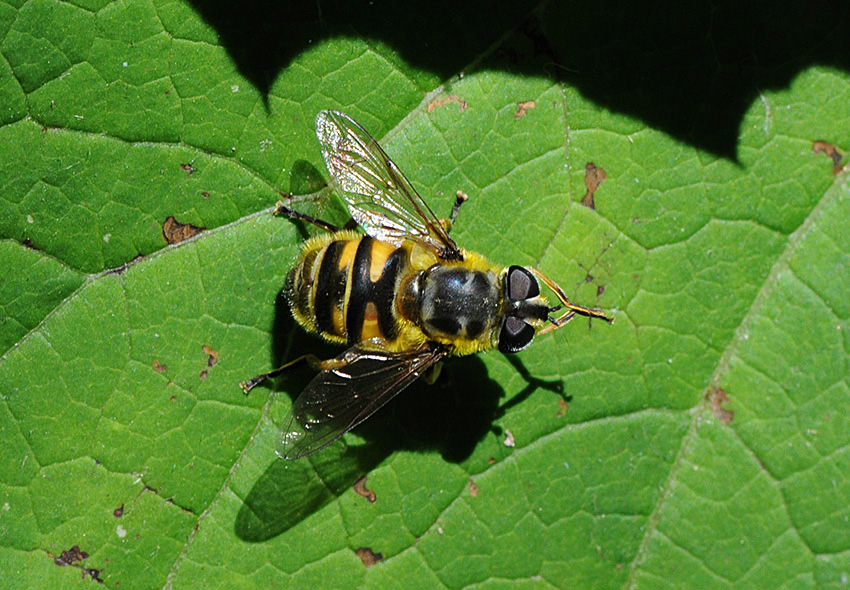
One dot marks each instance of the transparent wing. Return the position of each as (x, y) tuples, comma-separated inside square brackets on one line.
[(337, 400), (378, 195)]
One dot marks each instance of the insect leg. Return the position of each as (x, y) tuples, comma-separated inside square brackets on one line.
[(281, 209), (460, 199), (310, 359)]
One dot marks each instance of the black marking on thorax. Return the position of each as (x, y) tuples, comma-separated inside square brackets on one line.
[(458, 302)]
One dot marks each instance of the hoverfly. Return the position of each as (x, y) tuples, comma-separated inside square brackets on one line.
[(402, 297)]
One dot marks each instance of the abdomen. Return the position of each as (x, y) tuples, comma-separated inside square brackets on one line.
[(344, 287)]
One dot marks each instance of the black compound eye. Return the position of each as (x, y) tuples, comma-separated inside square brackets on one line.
[(515, 335), (521, 284)]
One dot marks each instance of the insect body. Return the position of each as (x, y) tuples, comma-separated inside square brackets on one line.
[(354, 289), (402, 297)]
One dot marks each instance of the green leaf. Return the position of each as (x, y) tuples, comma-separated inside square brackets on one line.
[(698, 442)]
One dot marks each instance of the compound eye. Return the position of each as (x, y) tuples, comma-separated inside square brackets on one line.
[(515, 334), (521, 284)]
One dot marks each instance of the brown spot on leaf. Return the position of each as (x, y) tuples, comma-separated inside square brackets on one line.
[(593, 177), (361, 489), (188, 168), (473, 489), (823, 147), (717, 397), (212, 359), (175, 232), (444, 100), (600, 290), (71, 556), (562, 408), (159, 367), (205, 194), (213, 355), (118, 512), (368, 557), (522, 108)]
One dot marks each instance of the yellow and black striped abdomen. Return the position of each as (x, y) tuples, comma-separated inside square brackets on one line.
[(344, 286)]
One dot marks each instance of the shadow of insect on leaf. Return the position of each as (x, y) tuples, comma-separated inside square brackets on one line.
[(422, 418), (290, 491), (532, 384), (451, 416)]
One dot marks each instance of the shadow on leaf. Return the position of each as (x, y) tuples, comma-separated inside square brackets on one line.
[(451, 416), (290, 491), (690, 69)]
